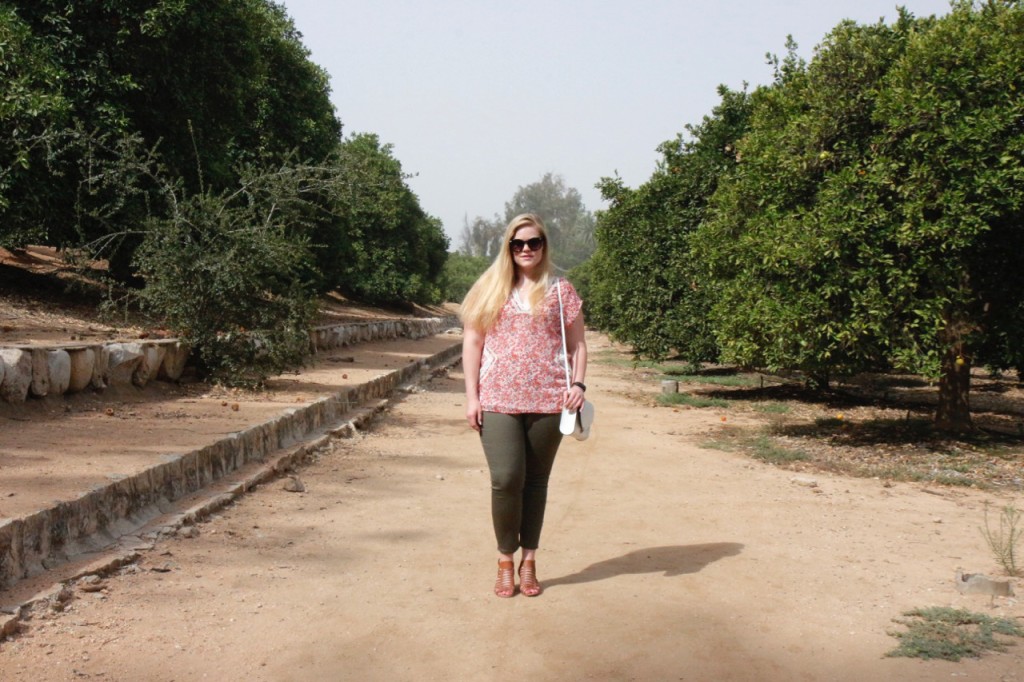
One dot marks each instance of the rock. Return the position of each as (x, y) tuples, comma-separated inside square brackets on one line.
[(124, 360), (101, 366), (17, 374), (59, 365), (83, 364), (40, 387), (294, 485), (152, 359), (91, 583), (188, 532), (976, 583), (175, 357)]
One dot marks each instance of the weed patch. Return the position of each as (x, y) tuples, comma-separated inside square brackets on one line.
[(767, 450), (772, 407), (691, 400), (951, 634)]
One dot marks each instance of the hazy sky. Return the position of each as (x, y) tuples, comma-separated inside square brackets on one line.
[(479, 97)]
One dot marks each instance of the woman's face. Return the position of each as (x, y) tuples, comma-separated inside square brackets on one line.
[(527, 259)]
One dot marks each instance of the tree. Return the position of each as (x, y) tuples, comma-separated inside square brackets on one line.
[(32, 110), (875, 217), (570, 225), (482, 238), (786, 283), (949, 170), (460, 272), (644, 284), (393, 251), (209, 85)]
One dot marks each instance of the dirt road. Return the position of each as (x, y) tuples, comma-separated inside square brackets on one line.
[(660, 560)]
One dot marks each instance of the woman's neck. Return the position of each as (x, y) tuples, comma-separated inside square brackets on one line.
[(525, 281)]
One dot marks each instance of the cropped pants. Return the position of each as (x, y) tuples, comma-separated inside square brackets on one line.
[(520, 451)]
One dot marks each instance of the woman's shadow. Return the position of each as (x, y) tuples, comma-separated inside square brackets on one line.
[(672, 561)]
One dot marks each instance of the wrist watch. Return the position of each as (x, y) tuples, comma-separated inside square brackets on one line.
[(582, 385)]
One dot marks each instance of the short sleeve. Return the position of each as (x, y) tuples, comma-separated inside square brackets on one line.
[(572, 304)]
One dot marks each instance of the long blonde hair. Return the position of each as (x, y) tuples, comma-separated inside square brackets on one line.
[(485, 299)]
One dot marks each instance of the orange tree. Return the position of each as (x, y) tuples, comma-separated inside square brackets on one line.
[(643, 285), (875, 218)]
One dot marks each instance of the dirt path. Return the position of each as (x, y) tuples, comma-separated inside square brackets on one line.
[(661, 561)]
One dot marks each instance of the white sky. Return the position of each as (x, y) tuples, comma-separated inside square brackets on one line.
[(479, 97)]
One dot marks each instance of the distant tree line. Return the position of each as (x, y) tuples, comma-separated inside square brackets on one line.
[(192, 144), (864, 211), (569, 224)]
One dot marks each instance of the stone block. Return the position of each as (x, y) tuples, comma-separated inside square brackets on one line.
[(175, 359), (59, 363), (101, 366), (123, 360), (40, 387), (83, 366), (17, 374), (152, 358)]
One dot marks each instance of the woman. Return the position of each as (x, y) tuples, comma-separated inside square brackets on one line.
[(516, 387)]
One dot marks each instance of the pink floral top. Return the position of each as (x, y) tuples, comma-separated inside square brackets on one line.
[(522, 371)]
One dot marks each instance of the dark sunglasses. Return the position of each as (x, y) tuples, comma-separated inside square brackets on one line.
[(535, 243)]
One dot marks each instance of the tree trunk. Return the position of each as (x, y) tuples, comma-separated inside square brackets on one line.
[(954, 410)]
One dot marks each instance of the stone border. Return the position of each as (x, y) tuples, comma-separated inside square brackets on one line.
[(40, 371), (128, 548), (29, 545)]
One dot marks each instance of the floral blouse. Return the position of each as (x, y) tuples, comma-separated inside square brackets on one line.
[(522, 370)]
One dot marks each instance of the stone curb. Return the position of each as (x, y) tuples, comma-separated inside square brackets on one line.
[(37, 371), (128, 549), (30, 545)]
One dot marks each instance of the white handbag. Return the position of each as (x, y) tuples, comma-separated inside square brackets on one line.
[(575, 423)]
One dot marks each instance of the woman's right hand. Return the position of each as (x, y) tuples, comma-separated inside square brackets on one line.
[(474, 415)]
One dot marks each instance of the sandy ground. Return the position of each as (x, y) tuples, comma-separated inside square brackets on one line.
[(661, 561)]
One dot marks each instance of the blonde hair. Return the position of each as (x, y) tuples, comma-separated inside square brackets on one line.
[(483, 303)]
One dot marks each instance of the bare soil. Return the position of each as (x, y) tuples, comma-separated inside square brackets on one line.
[(662, 559)]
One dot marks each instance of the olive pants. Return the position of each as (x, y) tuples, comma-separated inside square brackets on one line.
[(520, 451)]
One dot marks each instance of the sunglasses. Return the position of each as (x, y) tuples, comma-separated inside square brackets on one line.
[(518, 244)]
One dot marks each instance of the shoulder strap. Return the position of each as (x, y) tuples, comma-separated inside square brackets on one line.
[(561, 320)]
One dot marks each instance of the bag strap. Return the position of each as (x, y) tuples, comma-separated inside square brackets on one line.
[(565, 350)]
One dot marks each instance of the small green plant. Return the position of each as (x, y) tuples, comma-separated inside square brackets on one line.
[(772, 408), (951, 634), (724, 380), (1003, 540), (767, 450), (691, 400), (725, 445)]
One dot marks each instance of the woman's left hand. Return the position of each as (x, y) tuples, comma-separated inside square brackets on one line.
[(573, 399)]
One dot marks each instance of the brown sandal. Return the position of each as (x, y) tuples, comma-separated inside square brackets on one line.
[(505, 585), (528, 584)]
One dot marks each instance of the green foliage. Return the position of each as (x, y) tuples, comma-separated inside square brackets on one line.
[(944, 633), (786, 274), (766, 449), (460, 272), (874, 219), (392, 250), (646, 287), (32, 108), (223, 271), (209, 85)]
